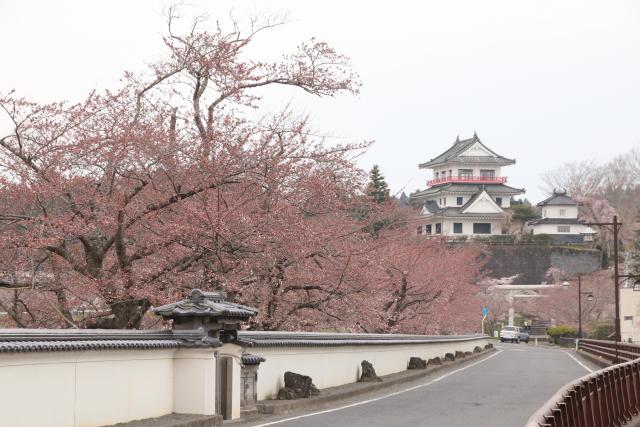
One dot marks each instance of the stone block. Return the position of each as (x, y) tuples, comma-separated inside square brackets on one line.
[(417, 363)]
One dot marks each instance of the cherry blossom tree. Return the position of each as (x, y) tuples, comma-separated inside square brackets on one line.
[(165, 183), (598, 210), (134, 196), (426, 286), (561, 303)]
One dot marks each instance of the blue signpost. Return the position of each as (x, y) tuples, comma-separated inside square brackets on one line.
[(485, 312)]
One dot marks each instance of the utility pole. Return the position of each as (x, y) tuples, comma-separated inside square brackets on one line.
[(579, 306), (616, 275), (616, 226)]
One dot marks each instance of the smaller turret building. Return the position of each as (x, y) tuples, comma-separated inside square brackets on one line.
[(559, 219)]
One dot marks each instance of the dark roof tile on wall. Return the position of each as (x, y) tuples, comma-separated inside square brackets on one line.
[(30, 340), (319, 339)]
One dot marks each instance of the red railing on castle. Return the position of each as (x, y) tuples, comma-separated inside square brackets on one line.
[(468, 180)]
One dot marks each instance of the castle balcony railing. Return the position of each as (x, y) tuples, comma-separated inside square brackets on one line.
[(468, 179)]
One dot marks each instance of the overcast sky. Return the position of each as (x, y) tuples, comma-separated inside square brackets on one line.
[(545, 82)]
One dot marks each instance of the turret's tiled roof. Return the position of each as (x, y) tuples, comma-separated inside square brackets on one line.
[(451, 155), (558, 198)]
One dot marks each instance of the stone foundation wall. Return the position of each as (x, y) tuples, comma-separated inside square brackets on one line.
[(533, 262)]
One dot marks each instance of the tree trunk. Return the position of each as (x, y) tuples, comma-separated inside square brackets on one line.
[(124, 315)]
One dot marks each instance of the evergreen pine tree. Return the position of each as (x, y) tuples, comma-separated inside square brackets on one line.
[(377, 188)]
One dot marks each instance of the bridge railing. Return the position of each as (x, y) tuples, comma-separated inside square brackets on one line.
[(608, 397), (611, 351)]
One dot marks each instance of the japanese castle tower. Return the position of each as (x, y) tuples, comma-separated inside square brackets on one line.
[(467, 194)]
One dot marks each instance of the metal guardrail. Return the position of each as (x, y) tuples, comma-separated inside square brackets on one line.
[(613, 352), (608, 397), (567, 341)]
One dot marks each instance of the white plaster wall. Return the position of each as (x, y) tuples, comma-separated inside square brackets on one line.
[(629, 306), (96, 388), (333, 366), (194, 371), (553, 228), (554, 212)]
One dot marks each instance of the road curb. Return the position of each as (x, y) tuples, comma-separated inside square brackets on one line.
[(593, 359), (333, 394)]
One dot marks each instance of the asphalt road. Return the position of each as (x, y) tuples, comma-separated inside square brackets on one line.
[(503, 389)]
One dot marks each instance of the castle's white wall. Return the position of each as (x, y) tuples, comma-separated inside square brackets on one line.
[(467, 227), (555, 212), (455, 170)]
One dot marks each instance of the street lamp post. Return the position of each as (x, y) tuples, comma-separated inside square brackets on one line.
[(589, 298)]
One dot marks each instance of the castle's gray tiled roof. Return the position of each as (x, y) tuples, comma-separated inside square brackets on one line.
[(205, 304), (492, 189), (313, 339), (469, 202), (559, 198), (451, 155), (458, 211)]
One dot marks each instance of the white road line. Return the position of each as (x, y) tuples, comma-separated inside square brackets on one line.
[(435, 380), (579, 362)]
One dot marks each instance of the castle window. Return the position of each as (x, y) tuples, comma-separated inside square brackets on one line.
[(487, 173), (562, 212), (564, 229), (481, 228), (419, 230), (465, 173), (438, 228), (427, 229), (457, 228), (499, 201), (459, 201)]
